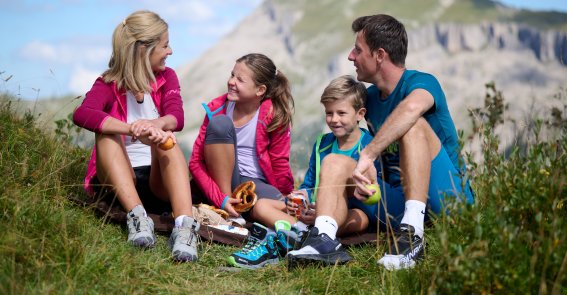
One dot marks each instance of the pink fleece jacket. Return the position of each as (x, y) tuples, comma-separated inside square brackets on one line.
[(104, 100), (272, 149)]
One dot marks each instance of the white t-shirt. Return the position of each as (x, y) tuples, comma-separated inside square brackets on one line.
[(139, 153), (246, 146)]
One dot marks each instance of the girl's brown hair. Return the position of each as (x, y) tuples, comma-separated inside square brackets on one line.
[(277, 88)]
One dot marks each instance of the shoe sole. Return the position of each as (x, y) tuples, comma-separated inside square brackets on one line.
[(326, 259), (233, 262)]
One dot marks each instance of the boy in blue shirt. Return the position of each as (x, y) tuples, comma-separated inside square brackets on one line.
[(344, 100)]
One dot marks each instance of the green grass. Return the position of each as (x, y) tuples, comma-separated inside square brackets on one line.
[(513, 240)]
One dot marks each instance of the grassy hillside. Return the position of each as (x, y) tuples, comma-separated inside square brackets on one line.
[(513, 240)]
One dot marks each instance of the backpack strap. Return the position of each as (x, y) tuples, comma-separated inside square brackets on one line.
[(318, 151)]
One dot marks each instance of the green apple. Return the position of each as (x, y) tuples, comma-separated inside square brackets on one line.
[(375, 197)]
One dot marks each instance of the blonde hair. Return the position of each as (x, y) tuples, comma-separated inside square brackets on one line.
[(129, 64), (277, 88), (345, 88)]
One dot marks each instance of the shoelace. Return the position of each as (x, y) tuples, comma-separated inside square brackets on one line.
[(139, 223), (251, 245)]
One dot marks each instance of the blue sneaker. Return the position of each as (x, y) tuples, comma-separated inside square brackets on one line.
[(289, 240), (260, 249), (318, 248), (405, 249)]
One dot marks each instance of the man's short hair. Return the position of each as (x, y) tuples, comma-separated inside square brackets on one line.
[(384, 31)]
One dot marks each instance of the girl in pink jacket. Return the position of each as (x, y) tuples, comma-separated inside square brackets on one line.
[(245, 135), (133, 108)]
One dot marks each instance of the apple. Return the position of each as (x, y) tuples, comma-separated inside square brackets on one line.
[(375, 197)]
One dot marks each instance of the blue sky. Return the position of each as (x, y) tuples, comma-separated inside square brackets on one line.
[(58, 47)]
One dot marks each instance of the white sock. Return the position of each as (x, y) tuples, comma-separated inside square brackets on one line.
[(414, 215), (179, 220), (300, 226), (327, 225)]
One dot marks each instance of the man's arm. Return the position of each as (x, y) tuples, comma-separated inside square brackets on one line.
[(404, 116)]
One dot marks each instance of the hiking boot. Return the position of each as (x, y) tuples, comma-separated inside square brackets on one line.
[(405, 248), (183, 240), (319, 248), (288, 240), (140, 228), (260, 249)]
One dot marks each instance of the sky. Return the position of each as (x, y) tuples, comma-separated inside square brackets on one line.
[(58, 47)]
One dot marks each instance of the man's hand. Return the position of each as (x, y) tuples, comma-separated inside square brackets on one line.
[(364, 174)]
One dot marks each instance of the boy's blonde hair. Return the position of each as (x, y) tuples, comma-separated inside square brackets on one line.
[(128, 66), (345, 87)]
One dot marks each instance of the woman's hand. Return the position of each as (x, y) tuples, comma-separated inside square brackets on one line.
[(140, 127)]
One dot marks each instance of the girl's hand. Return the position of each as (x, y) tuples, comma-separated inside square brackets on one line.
[(228, 207)]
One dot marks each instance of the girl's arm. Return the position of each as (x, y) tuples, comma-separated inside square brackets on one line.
[(198, 169)]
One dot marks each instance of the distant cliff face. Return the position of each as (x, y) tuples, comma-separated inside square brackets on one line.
[(527, 64)]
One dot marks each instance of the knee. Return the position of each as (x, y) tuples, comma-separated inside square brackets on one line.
[(220, 127), (335, 163), (418, 131)]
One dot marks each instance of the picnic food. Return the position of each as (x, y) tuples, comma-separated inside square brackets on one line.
[(245, 193), (220, 212), (167, 145), (375, 197)]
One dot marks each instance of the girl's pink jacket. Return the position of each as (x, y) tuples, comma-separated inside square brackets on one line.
[(272, 149), (104, 100)]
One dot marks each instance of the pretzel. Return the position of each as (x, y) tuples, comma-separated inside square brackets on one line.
[(220, 212), (245, 193)]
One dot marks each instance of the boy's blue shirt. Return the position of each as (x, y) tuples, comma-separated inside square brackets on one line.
[(324, 148)]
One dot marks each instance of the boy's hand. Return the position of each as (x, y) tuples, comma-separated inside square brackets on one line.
[(309, 215)]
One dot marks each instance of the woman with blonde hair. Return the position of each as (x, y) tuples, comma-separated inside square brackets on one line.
[(134, 107)]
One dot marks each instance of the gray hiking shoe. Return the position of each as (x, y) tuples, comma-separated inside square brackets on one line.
[(140, 228), (183, 240)]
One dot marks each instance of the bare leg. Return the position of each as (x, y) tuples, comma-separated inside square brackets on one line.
[(169, 179), (267, 212), (336, 173), (220, 161), (113, 168), (418, 147), (356, 222)]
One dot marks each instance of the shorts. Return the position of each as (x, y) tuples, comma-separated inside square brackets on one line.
[(151, 202), (445, 185)]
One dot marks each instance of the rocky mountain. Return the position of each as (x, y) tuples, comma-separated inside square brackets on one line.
[(465, 44)]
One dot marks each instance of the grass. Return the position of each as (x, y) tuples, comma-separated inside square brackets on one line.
[(513, 240)]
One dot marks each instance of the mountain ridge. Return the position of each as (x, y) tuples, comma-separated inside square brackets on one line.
[(309, 41)]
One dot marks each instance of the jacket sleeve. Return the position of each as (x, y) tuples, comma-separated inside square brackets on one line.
[(93, 110), (309, 179), (172, 103), (199, 171), (280, 143)]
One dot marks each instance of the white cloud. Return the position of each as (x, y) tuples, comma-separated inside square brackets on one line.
[(66, 53), (82, 79)]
